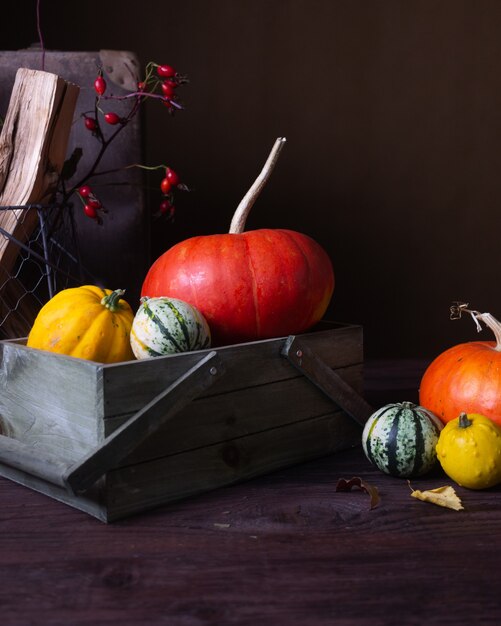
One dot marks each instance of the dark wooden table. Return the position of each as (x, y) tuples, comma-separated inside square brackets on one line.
[(284, 549)]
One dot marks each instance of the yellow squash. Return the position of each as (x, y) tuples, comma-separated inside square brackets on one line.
[(469, 450), (85, 322)]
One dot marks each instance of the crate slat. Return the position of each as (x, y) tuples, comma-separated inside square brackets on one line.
[(130, 385), (132, 489), (216, 419)]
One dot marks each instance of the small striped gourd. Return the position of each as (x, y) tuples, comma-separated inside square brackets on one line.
[(166, 326), (400, 439)]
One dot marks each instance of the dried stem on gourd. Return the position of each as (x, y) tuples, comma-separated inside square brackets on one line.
[(112, 300), (464, 422), (489, 320), (240, 217)]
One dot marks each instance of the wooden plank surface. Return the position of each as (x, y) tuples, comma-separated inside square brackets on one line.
[(132, 489), (128, 386), (143, 425), (33, 142), (50, 401), (280, 549), (226, 416), (33, 145)]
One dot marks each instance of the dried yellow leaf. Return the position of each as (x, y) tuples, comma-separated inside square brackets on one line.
[(443, 496)]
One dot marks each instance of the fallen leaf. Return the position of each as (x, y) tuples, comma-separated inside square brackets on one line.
[(371, 490), (442, 496)]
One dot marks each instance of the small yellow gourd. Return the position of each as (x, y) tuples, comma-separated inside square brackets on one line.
[(86, 322), (469, 451)]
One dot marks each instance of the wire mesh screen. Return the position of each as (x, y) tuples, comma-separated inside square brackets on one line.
[(39, 257)]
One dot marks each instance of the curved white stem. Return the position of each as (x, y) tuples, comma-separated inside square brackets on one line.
[(240, 216), (491, 322)]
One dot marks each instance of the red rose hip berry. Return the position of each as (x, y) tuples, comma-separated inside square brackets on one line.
[(168, 89), (165, 186), (94, 203), (85, 191), (166, 207), (90, 123), (100, 85), (172, 177), (90, 211), (166, 71), (112, 118)]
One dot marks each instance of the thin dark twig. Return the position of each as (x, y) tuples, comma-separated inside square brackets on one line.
[(104, 145), (140, 94)]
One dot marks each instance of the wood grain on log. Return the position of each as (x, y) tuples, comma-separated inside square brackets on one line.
[(33, 145)]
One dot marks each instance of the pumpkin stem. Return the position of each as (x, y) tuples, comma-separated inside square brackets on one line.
[(464, 422), (243, 209), (111, 300), (489, 320), (494, 325)]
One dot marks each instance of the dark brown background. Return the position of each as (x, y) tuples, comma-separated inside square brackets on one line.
[(392, 111)]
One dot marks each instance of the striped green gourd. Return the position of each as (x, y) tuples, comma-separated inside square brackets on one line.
[(400, 439), (166, 326)]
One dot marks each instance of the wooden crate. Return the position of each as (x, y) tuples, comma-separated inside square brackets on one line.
[(113, 440)]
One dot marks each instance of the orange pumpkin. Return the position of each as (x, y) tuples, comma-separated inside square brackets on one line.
[(466, 378), (248, 285)]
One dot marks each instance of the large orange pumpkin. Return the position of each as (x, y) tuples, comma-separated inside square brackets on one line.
[(248, 285), (466, 378)]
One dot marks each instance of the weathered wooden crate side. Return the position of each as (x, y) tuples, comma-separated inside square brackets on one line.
[(259, 391), (147, 485), (129, 386), (262, 415), (93, 501), (49, 401), (218, 418), (53, 404)]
